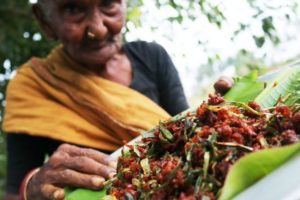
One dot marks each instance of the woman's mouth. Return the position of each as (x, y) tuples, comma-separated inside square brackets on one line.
[(97, 44)]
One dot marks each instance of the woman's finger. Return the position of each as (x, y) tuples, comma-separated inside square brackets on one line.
[(89, 166), (52, 192), (91, 153), (71, 178)]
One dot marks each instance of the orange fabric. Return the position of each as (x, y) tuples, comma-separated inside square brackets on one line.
[(57, 98)]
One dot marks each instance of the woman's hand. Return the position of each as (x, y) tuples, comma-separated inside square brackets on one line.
[(70, 166)]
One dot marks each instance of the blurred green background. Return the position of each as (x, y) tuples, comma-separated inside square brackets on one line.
[(205, 39)]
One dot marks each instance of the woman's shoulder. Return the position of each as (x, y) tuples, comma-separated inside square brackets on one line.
[(143, 46), (23, 76)]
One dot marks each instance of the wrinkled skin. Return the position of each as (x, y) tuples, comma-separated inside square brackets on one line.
[(71, 166), (70, 21)]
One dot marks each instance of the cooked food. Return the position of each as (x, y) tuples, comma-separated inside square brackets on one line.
[(189, 158)]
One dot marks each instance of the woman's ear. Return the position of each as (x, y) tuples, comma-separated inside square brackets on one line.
[(43, 21)]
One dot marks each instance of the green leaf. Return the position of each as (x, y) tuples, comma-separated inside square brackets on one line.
[(165, 132), (128, 196), (83, 194), (251, 168), (286, 84), (145, 166), (259, 41), (197, 186), (245, 88), (206, 163), (267, 24)]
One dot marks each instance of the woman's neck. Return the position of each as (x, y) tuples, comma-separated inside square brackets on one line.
[(118, 69)]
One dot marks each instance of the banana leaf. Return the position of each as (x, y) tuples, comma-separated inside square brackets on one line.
[(245, 88), (83, 194), (251, 168), (285, 86), (267, 90)]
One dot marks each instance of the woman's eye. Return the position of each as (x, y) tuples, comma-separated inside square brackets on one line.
[(72, 8), (107, 3)]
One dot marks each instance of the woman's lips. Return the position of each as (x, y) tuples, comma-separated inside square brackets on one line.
[(96, 44)]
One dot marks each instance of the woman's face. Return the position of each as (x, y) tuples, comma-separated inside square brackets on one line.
[(74, 21)]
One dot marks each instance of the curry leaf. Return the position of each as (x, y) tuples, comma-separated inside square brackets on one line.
[(145, 166), (165, 132)]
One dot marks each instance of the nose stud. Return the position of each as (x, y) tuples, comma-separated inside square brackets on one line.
[(91, 35)]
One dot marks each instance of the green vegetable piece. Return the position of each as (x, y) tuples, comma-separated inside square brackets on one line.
[(166, 133), (206, 163), (236, 145), (136, 151), (162, 138), (263, 142), (197, 186), (153, 183), (246, 107), (128, 196), (136, 182), (213, 137), (145, 166), (189, 153)]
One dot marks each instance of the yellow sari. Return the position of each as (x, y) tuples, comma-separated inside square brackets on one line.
[(59, 99)]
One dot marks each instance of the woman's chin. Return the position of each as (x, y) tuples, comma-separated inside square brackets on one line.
[(94, 60)]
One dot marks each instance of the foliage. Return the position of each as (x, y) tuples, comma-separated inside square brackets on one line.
[(284, 86), (268, 89), (245, 88)]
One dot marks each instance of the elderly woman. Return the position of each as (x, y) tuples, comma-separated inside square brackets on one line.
[(91, 91)]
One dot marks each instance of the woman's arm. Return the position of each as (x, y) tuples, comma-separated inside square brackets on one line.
[(24, 153), (171, 93), (68, 166)]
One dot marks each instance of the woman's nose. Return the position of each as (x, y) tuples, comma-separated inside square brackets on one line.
[(96, 25)]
